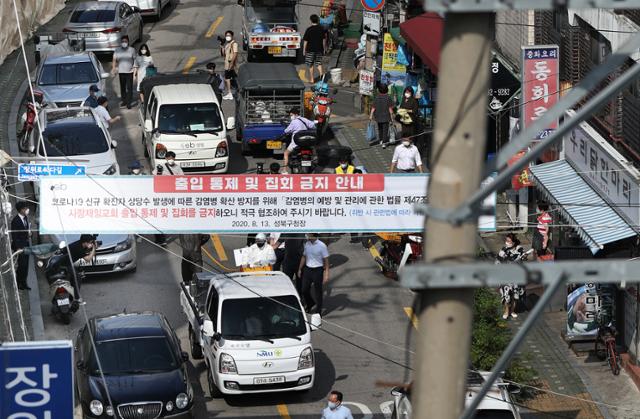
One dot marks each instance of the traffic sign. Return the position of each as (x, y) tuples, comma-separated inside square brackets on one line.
[(33, 171), (371, 23), (372, 5), (36, 379)]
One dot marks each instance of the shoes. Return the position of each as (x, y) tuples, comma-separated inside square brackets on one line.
[(384, 145), (24, 287), (129, 106), (505, 316), (228, 96), (122, 104), (514, 315)]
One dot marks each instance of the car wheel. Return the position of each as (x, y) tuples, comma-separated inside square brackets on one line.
[(213, 389), (158, 11), (196, 349)]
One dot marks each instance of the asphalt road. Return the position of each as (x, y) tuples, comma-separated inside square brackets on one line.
[(368, 321)]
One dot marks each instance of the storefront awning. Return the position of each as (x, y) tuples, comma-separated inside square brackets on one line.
[(424, 36), (594, 220)]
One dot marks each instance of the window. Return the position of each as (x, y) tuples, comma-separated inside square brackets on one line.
[(73, 140), (92, 16), (212, 308), (68, 73), (190, 117), (134, 355)]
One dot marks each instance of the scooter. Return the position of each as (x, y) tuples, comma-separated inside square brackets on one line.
[(397, 251), (321, 103), (303, 159), (61, 291), (29, 120)]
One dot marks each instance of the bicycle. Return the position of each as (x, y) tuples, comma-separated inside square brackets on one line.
[(605, 347)]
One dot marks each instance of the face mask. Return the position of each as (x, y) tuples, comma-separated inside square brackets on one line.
[(228, 38), (332, 405), (508, 244), (125, 45), (407, 95), (136, 171), (260, 245), (293, 117), (406, 143), (26, 212), (344, 165), (171, 162), (143, 52)]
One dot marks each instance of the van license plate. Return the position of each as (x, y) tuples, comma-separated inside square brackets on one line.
[(94, 262), (306, 163), (63, 302), (274, 50), (268, 380), (274, 145), (191, 164), (88, 34)]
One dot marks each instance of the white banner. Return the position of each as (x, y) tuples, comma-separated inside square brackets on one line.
[(234, 204)]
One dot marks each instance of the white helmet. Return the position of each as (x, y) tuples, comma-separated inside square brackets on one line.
[(261, 237)]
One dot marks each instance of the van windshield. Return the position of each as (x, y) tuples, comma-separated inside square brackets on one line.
[(260, 318), (189, 118)]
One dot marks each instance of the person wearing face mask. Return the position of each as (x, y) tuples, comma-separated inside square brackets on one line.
[(408, 113), (406, 158), (297, 124), (170, 167), (335, 409), (511, 249), (124, 65), (20, 238), (136, 168), (260, 254), (230, 54), (344, 167), (314, 270), (143, 61)]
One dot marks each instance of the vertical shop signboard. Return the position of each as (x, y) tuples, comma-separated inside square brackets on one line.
[(589, 306), (392, 72), (540, 84), (367, 82)]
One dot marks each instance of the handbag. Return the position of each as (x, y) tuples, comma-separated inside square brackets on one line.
[(393, 133), (371, 132)]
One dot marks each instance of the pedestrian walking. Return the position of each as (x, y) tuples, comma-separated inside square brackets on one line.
[(382, 113), (314, 45), (293, 250), (230, 54), (406, 158), (314, 271), (215, 80), (20, 238), (169, 167), (408, 113), (540, 242), (124, 65), (276, 241), (335, 409), (135, 168), (143, 62), (191, 254), (103, 112), (92, 100)]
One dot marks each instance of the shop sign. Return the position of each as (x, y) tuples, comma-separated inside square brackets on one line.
[(367, 82), (540, 84), (392, 72), (610, 174), (522, 179), (588, 306), (235, 203), (504, 85), (371, 23)]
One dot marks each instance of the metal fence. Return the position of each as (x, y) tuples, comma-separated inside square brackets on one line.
[(14, 306)]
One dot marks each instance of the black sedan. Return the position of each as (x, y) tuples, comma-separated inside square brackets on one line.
[(140, 362)]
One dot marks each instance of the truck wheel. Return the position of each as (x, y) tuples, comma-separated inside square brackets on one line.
[(213, 389), (299, 57), (196, 349), (251, 56), (245, 150)]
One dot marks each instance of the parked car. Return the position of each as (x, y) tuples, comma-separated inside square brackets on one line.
[(115, 253), (65, 79), (103, 23), (151, 8), (497, 403), (143, 366)]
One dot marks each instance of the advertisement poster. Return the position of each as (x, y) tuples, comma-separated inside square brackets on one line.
[(392, 72), (235, 204), (587, 305), (540, 84), (367, 82)]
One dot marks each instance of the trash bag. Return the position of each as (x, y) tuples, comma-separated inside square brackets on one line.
[(393, 133), (371, 132), (403, 57)]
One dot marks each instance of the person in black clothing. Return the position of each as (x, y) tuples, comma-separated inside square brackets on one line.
[(408, 113), (314, 45), (293, 250), (215, 80), (19, 240), (382, 113), (83, 248)]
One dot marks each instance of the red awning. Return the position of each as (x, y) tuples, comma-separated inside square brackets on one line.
[(424, 36)]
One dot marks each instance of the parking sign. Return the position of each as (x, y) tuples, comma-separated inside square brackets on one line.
[(36, 380)]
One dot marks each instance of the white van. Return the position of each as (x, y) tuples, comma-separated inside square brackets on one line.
[(184, 118), (252, 332)]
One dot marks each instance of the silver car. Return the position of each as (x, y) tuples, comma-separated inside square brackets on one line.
[(103, 23), (65, 79), (149, 7), (115, 253)]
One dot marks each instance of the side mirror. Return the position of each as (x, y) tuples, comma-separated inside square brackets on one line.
[(231, 123), (148, 126), (114, 144), (207, 328), (135, 9), (514, 389), (184, 356), (104, 75), (316, 321), (62, 245)]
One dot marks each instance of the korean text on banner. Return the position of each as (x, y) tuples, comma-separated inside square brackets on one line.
[(540, 83), (37, 380), (367, 82), (522, 179), (392, 72)]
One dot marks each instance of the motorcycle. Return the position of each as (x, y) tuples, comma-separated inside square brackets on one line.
[(521, 257), (321, 103), (397, 251), (303, 159), (29, 120), (61, 291)]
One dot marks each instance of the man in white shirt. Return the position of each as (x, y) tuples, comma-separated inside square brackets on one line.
[(277, 243), (314, 270), (259, 253), (170, 167), (103, 113), (406, 158)]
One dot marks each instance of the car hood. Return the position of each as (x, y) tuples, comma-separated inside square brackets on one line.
[(67, 92), (107, 240), (131, 388)]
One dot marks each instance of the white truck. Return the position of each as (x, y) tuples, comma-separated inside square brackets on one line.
[(270, 28), (182, 114), (252, 332)]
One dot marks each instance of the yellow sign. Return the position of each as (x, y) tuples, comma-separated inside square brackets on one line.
[(390, 55)]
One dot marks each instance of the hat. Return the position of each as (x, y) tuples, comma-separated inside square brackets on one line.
[(94, 88), (170, 154), (261, 237), (135, 165)]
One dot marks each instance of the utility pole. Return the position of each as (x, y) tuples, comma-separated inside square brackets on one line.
[(457, 157)]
